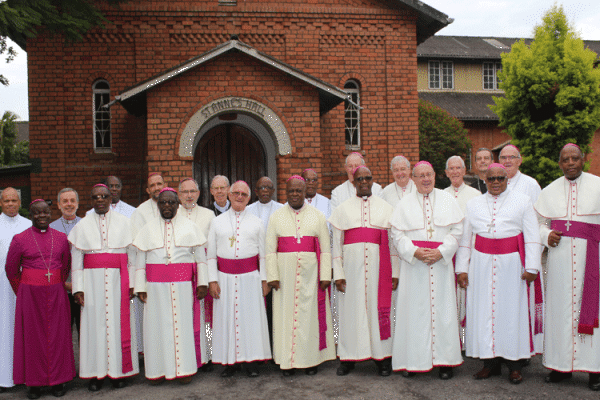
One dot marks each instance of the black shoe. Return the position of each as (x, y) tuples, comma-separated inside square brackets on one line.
[(594, 382), (311, 371), (384, 367), (95, 385), (345, 368), (118, 383), (408, 374), (252, 370), (446, 373), (208, 367), (288, 372), (557, 376), (34, 392), (59, 390), (229, 371)]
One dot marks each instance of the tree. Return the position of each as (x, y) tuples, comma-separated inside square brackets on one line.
[(552, 95), (8, 135), (22, 19), (441, 136)]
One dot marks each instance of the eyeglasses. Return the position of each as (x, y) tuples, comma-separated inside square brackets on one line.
[(265, 188), (364, 178), (427, 175), (100, 196), (495, 178), (189, 191), (238, 194), (311, 180), (509, 157), (167, 202)]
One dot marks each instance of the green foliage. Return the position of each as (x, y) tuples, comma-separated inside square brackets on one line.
[(552, 95), (20, 153), (8, 135), (22, 19), (441, 136)]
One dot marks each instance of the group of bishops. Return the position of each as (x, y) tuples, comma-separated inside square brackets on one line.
[(418, 273)]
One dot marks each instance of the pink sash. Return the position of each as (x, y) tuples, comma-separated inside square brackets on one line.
[(107, 260), (182, 272), (39, 277), (237, 266), (384, 292), (588, 317), (309, 244), (515, 244)]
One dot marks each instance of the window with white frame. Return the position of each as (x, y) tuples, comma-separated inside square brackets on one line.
[(491, 81), (352, 115), (102, 134), (441, 75)]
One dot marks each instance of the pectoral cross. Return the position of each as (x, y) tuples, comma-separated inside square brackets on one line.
[(490, 226), (231, 240), (49, 274), (167, 259), (568, 225), (299, 240), (430, 230)]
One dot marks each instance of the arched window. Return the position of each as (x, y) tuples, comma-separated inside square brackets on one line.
[(352, 115), (102, 136)]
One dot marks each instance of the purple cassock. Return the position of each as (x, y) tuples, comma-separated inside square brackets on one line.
[(37, 264)]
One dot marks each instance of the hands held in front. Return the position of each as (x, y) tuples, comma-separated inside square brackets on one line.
[(428, 256), (529, 277)]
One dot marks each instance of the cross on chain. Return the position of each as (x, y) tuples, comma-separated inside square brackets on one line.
[(490, 226), (430, 230), (49, 274), (568, 225), (231, 240)]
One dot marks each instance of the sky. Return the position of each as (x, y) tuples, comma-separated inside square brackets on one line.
[(499, 18)]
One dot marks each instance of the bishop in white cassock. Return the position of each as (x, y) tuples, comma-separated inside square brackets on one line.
[(188, 193), (11, 223), (499, 255), (170, 278), (510, 157), (313, 198), (298, 263), (238, 283), (146, 211), (366, 273), (426, 227), (102, 276), (569, 214), (347, 190), (402, 185), (455, 171)]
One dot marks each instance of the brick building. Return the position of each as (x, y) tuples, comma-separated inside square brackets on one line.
[(239, 88), (459, 74)]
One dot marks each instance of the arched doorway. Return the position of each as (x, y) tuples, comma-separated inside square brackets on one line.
[(228, 149)]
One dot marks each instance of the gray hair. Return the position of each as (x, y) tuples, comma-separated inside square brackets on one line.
[(220, 176), (362, 160), (65, 190), (514, 147), (399, 159), (186, 180), (462, 162), (241, 183)]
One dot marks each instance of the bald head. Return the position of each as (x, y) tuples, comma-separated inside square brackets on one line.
[(10, 202), (264, 189), (239, 196)]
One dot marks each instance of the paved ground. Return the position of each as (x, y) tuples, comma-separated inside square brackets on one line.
[(362, 383)]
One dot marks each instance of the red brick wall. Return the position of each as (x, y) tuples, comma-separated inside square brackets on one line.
[(333, 41)]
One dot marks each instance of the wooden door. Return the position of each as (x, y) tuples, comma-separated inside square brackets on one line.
[(230, 150)]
